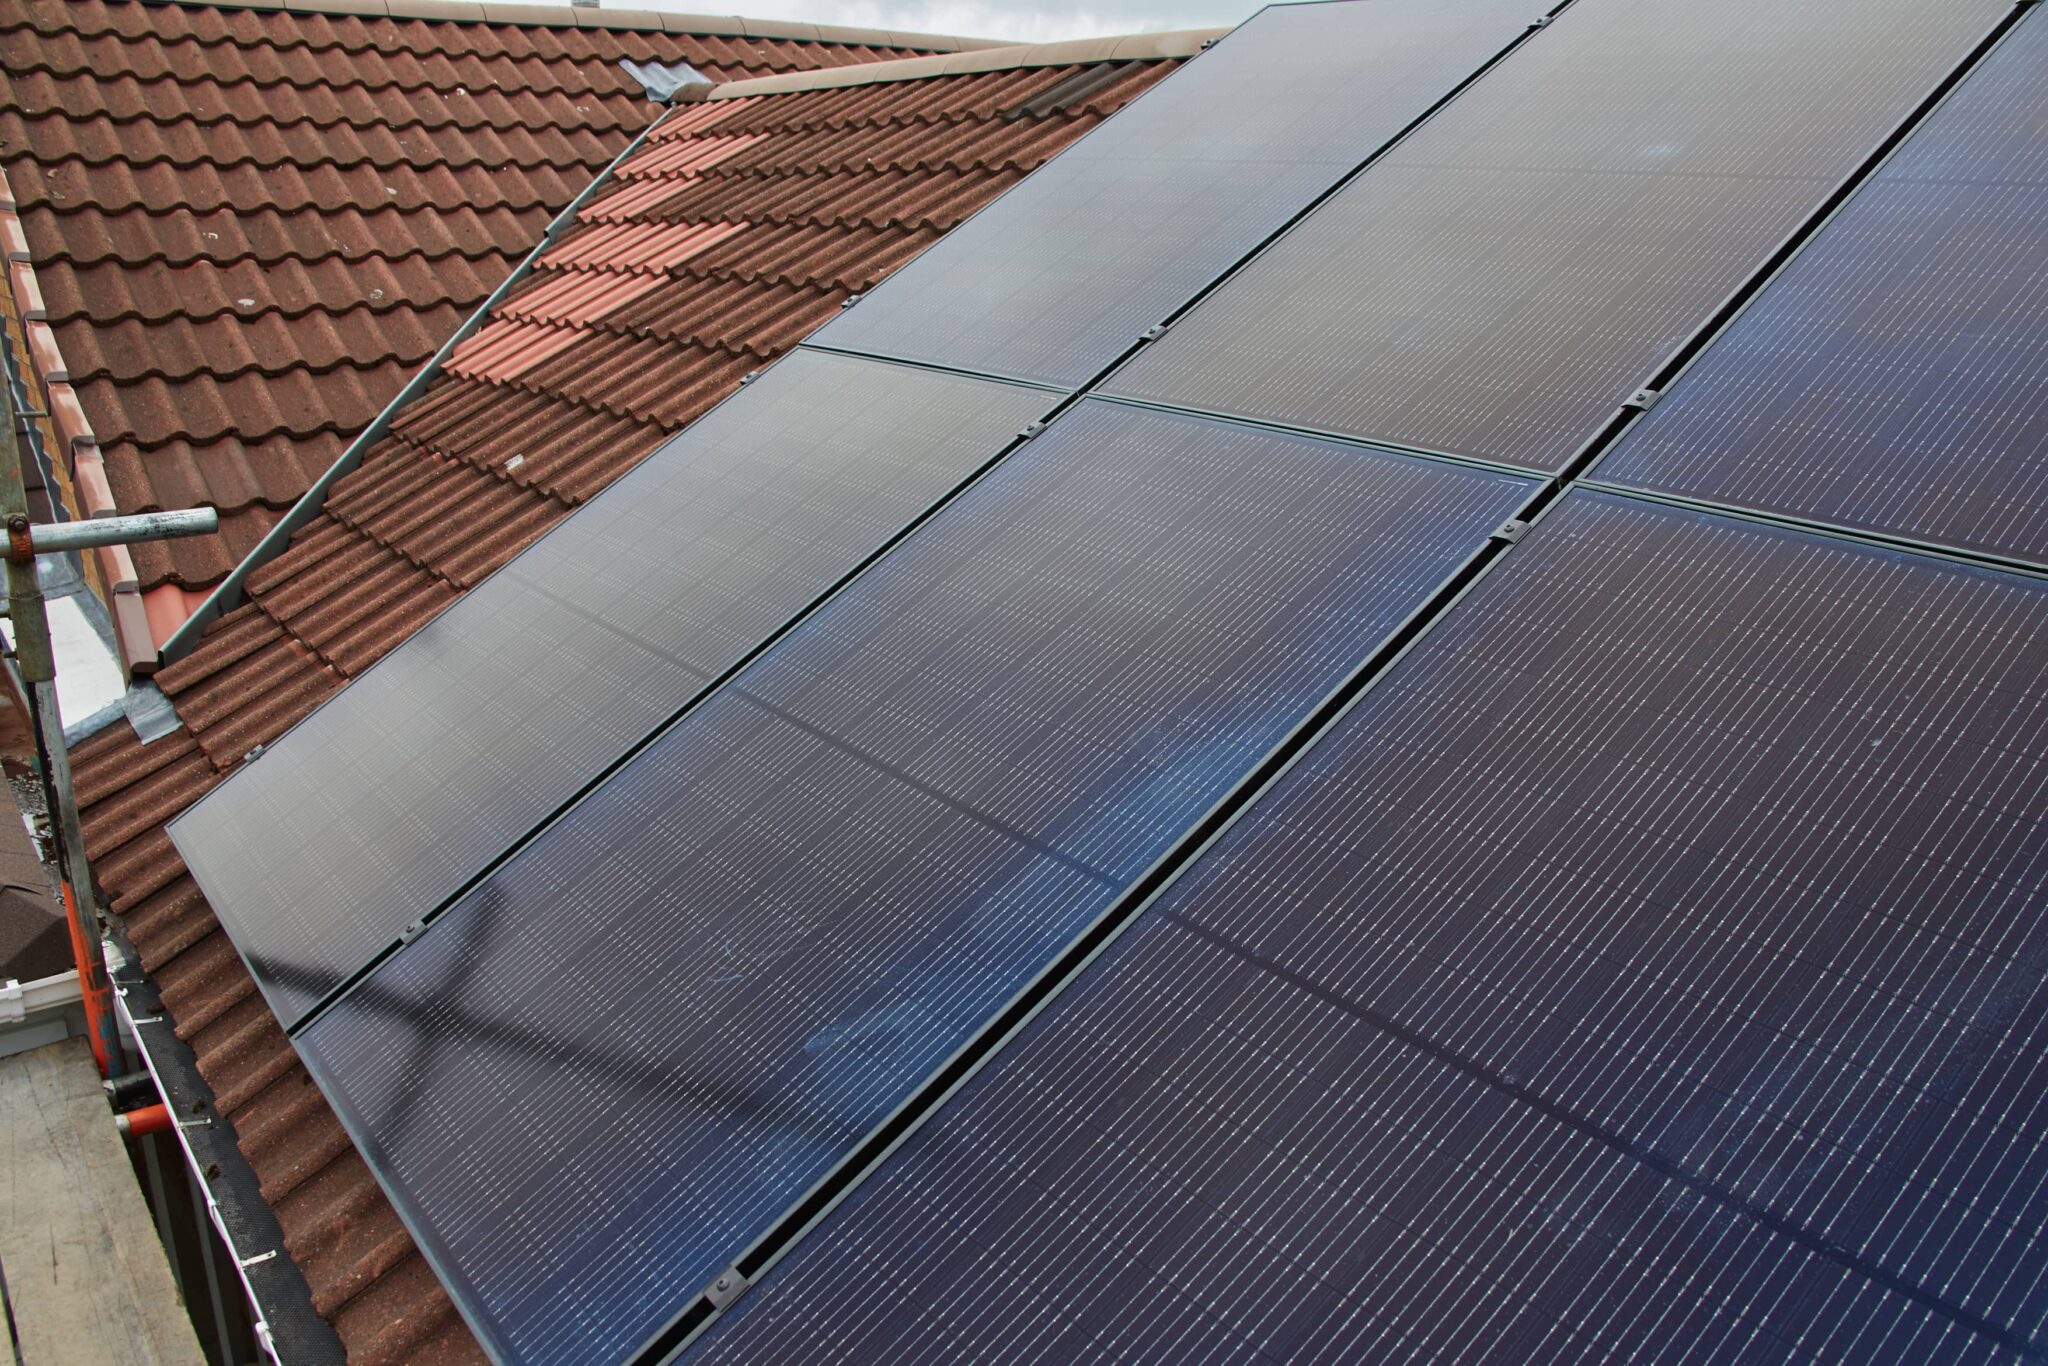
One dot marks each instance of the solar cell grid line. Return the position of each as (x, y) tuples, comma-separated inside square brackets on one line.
[(1894, 377), (1502, 281), (1648, 966), (378, 807), (1067, 270), (654, 1029)]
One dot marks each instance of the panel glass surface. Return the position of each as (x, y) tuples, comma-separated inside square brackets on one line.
[(1061, 275), (1506, 278), (1895, 376), (601, 1075), (1649, 968), (378, 807)]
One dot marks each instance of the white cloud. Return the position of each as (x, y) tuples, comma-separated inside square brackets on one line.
[(1048, 21)]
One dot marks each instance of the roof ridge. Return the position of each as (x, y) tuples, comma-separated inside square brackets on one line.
[(589, 17), (1135, 47)]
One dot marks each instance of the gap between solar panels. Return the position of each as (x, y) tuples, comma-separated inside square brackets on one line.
[(1046, 986)]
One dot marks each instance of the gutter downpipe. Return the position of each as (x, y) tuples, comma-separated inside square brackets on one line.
[(231, 592)]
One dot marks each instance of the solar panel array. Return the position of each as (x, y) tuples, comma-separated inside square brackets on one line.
[(380, 805), (1500, 283), (1623, 937), (1895, 376), (861, 847), (1650, 967), (1062, 275)]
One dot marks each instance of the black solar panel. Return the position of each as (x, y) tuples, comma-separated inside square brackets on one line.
[(1650, 968), (1505, 279), (379, 806), (1061, 275), (604, 1072), (1895, 376)]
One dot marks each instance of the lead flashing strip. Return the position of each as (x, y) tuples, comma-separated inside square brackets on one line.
[(1137, 47)]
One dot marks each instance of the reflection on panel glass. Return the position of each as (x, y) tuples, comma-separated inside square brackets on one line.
[(1649, 968), (1061, 275), (1895, 376), (675, 1010), (379, 806), (1506, 278)]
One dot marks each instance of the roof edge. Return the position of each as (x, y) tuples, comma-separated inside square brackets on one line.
[(564, 16), (77, 460), (1136, 47)]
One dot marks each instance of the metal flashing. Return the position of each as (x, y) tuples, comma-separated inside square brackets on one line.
[(1142, 47)]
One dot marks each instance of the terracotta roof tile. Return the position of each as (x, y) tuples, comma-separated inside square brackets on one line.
[(472, 471), (251, 226)]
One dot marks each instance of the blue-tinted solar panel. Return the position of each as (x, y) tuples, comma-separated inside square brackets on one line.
[(602, 1074), (1895, 376), (1061, 275), (1505, 279), (1651, 967), (379, 806)]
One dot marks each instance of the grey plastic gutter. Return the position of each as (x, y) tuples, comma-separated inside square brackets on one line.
[(232, 591)]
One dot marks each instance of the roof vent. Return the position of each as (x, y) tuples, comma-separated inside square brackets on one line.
[(665, 81)]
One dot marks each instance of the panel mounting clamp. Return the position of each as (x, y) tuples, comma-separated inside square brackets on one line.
[(1645, 399), (749, 378), (253, 755), (1510, 531), (412, 931), (849, 301), (1033, 430), (726, 1287), (1153, 333)]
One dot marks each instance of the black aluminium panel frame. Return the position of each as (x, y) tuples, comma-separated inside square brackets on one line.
[(1020, 1018), (1701, 347), (693, 1319), (427, 914)]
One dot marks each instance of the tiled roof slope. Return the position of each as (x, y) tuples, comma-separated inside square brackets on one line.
[(251, 226), (740, 227)]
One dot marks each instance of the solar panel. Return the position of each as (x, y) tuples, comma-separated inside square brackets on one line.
[(1061, 275), (379, 806), (1505, 279), (1895, 376), (1650, 967), (605, 1071)]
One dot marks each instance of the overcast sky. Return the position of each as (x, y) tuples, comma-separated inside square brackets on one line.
[(1039, 21)]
